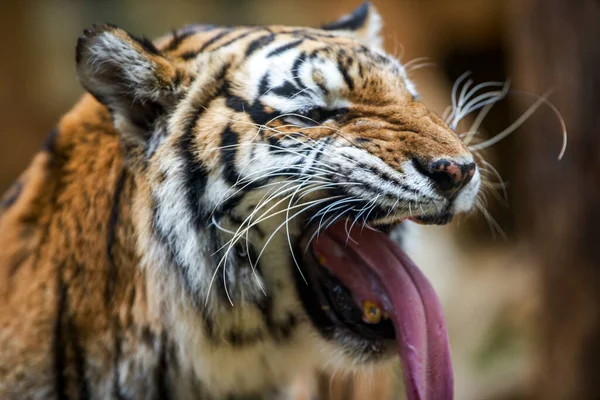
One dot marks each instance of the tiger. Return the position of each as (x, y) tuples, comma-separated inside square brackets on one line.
[(214, 218)]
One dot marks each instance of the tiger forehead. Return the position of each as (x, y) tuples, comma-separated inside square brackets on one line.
[(196, 38), (334, 61)]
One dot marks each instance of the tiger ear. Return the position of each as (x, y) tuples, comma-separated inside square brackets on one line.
[(364, 24), (129, 76)]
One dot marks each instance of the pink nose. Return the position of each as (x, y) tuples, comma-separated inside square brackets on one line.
[(448, 176)]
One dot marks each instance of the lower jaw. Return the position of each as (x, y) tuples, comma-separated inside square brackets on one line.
[(360, 342)]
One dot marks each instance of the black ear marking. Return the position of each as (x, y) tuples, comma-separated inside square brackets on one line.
[(364, 24), (350, 22), (146, 44)]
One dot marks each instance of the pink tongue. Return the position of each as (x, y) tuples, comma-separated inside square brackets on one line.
[(374, 268)]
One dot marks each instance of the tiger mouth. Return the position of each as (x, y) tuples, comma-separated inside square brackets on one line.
[(331, 304), (359, 287)]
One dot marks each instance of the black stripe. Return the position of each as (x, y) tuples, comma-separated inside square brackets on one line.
[(319, 149), (117, 350), (312, 34), (144, 113), (12, 195), (259, 43), (50, 142), (214, 39), (218, 251), (196, 175), (198, 28), (386, 177), (229, 142), (218, 36), (279, 330), (323, 88), (256, 111), (178, 77), (161, 370), (194, 53), (237, 103), (58, 337), (79, 360), (259, 114), (274, 143), (304, 34), (145, 43), (232, 202), (224, 83), (178, 39), (288, 90), (361, 71), (343, 67), (209, 326), (112, 227), (235, 39), (296, 68), (263, 85), (282, 49), (188, 55)]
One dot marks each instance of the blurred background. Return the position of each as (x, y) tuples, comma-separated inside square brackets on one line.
[(521, 294)]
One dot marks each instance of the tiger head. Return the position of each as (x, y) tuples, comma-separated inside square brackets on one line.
[(271, 164)]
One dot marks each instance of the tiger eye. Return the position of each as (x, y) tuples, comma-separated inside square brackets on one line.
[(315, 114), (372, 313)]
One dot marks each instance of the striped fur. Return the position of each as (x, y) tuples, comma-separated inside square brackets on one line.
[(120, 278)]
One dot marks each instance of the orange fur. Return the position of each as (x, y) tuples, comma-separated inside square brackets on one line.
[(78, 303)]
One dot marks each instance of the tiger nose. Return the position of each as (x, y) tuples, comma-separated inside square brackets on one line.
[(448, 176)]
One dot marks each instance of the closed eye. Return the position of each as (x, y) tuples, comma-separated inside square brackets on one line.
[(314, 116)]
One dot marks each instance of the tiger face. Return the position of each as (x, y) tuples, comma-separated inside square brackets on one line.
[(271, 164)]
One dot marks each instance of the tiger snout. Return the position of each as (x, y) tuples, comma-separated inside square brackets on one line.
[(448, 176)]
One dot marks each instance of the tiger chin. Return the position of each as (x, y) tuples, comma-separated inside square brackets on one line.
[(211, 219)]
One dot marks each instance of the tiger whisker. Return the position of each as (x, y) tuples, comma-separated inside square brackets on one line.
[(366, 218), (287, 228), (453, 98), (419, 66), (477, 103), (495, 172), (556, 112), (238, 236), (286, 221), (494, 226), (257, 208), (514, 126), (414, 61), (332, 207), (266, 201), (251, 264)]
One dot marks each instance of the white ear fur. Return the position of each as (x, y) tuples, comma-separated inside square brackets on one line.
[(364, 24), (128, 75)]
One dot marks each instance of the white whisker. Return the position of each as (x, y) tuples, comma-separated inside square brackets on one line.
[(514, 126)]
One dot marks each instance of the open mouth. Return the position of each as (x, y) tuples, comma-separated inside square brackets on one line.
[(361, 282)]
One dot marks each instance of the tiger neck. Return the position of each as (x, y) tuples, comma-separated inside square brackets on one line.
[(256, 346)]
